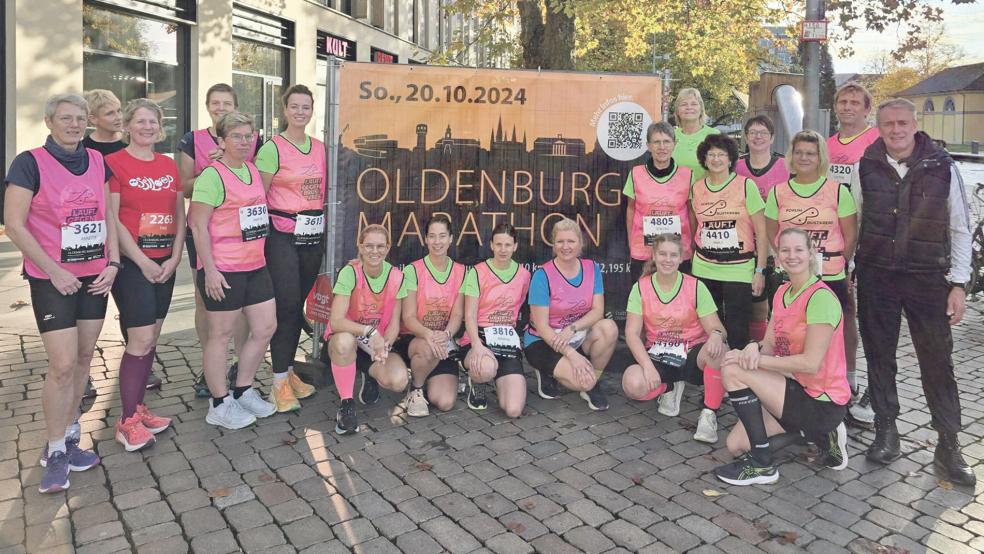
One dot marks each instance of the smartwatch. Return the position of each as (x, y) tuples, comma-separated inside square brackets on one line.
[(962, 286), (117, 265)]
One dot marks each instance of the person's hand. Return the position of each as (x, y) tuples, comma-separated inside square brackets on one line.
[(652, 378), (104, 282), (215, 285), (168, 268), (749, 358), (956, 305), (583, 370), (562, 338), (438, 343), (151, 271), (758, 284), (379, 347), (215, 154), (64, 282), (715, 345)]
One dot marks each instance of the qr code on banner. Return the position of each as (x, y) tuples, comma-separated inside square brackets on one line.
[(625, 129)]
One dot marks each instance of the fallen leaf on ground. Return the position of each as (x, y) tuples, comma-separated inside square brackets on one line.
[(517, 528), (713, 493), (788, 537), (529, 504), (218, 493), (637, 480), (945, 485), (424, 466), (18, 305), (290, 440), (266, 477)]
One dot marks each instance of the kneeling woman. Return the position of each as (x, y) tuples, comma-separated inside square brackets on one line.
[(365, 321), (229, 223), (805, 339), (683, 337), (569, 340), (495, 290), (432, 314)]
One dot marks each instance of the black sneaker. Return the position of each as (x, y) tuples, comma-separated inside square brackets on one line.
[(368, 390), (596, 398), (476, 396), (746, 471), (546, 385), (200, 386), (232, 374), (833, 448), (346, 423), (153, 381), (90, 391)]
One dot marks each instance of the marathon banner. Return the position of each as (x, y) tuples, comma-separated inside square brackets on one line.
[(486, 147)]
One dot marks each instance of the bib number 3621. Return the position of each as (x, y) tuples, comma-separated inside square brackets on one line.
[(254, 222), (83, 241)]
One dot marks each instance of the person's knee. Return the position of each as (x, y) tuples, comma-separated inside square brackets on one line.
[(731, 376), (633, 384), (396, 380), (140, 343), (512, 409), (608, 331), (443, 402), (342, 345)]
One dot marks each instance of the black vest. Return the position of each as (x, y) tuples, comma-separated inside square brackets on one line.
[(905, 223)]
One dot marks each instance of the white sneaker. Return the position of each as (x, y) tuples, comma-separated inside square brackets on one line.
[(707, 427), (416, 403), (860, 409), (229, 414), (669, 403), (252, 402)]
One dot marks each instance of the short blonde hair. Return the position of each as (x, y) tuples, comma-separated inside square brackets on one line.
[(566, 224), (232, 120), (684, 93), (811, 137), (51, 105), (854, 86), (143, 103), (896, 103), (98, 98)]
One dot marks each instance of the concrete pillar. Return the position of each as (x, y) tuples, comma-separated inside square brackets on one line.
[(210, 55)]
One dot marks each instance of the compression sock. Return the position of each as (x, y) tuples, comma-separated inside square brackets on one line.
[(344, 379), (133, 381), (713, 388), (656, 393), (852, 380), (749, 410)]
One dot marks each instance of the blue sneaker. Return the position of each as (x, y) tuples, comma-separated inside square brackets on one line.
[(78, 459), (56, 470)]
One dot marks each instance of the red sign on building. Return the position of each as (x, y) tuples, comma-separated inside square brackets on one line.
[(382, 56)]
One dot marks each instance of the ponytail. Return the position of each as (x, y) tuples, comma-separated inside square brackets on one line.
[(649, 267)]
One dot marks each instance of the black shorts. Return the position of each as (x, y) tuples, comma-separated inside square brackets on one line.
[(635, 267), (840, 290), (507, 366), (139, 301), (448, 366), (543, 358), (192, 253), (245, 289), (802, 412), (689, 371), (54, 311)]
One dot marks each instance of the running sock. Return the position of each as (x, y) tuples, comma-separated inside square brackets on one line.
[(218, 400), (344, 379), (133, 381), (713, 388), (756, 330), (746, 404), (280, 377), (56, 446), (852, 379), (74, 431), (656, 393), (239, 391), (598, 372)]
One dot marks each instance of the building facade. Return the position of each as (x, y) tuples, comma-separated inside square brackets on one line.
[(172, 51), (950, 104)]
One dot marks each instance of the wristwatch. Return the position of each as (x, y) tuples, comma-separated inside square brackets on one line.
[(958, 285), (760, 270), (117, 265)]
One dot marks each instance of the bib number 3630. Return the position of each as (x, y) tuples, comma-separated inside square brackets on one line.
[(254, 222)]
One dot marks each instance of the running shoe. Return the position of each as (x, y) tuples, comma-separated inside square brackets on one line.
[(546, 386), (232, 374), (596, 398), (746, 471), (707, 427), (283, 396), (201, 387), (669, 402), (90, 391), (416, 403), (368, 389), (861, 412), (476, 396), (154, 423), (55, 476), (252, 402), (301, 389), (153, 381), (229, 414), (78, 459), (346, 422), (833, 448), (132, 434)]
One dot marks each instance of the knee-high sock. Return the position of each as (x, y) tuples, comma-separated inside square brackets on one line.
[(713, 389), (133, 381), (656, 393), (749, 410), (756, 330), (344, 379)]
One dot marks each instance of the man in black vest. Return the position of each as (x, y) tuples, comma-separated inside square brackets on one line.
[(913, 257)]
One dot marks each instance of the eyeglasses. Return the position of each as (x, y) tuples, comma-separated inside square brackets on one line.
[(758, 134), (240, 138), (717, 156), (661, 142)]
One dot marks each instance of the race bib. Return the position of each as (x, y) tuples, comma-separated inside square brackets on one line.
[(502, 340), (841, 173), (719, 239), (155, 231), (577, 339), (819, 261), (671, 353), (254, 222), (655, 225), (83, 241), (309, 229)]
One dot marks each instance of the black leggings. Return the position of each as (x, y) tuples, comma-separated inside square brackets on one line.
[(734, 303), (293, 270)]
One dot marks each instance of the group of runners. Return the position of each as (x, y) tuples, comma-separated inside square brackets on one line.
[(100, 215)]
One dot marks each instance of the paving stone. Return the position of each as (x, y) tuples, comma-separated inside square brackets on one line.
[(626, 534), (147, 515), (393, 525), (136, 498), (156, 533), (554, 545), (171, 545), (507, 543), (355, 531), (588, 539), (218, 542), (456, 506), (589, 512), (674, 536), (419, 509), (49, 535), (289, 511), (202, 521), (451, 535), (371, 505), (248, 515), (417, 541), (482, 526), (308, 531)]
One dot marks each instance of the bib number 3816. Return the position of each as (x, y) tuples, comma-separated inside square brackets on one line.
[(83, 241), (254, 222), (502, 340)]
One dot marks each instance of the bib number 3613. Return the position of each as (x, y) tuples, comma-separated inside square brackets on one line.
[(308, 229)]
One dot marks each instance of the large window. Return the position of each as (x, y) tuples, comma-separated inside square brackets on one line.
[(928, 106), (949, 106), (258, 75), (138, 57)]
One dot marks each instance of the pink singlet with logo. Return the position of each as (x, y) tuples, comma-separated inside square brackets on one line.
[(724, 233), (498, 301), (298, 186), (817, 215), (660, 208), (239, 226), (844, 156), (673, 322), (434, 298), (568, 303), (370, 307), (777, 173), (205, 143)]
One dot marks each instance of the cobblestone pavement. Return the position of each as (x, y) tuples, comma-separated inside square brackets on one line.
[(558, 479)]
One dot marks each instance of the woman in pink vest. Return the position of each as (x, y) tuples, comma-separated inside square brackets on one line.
[(292, 165), (675, 336), (198, 149), (495, 291), (229, 219), (659, 196), (805, 339), (432, 315), (56, 214), (365, 321), (569, 340), (766, 169)]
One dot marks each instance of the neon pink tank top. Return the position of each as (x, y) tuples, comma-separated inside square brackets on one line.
[(239, 226), (789, 326), (725, 233), (498, 301), (777, 173), (673, 322), (68, 216), (370, 307), (435, 299), (817, 215), (298, 185), (205, 143), (660, 208), (844, 157), (568, 303)]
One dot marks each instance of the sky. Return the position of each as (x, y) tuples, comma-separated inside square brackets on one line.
[(963, 25)]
